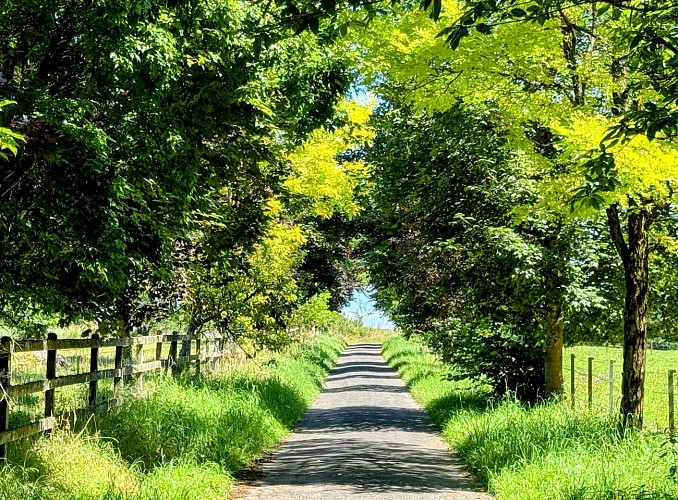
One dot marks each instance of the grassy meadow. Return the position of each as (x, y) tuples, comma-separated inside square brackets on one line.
[(543, 452), (181, 439)]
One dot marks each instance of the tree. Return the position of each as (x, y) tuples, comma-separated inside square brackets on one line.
[(252, 293), (451, 259), (141, 121), (568, 76)]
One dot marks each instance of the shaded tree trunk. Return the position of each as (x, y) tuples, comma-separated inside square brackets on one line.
[(553, 353), (635, 257)]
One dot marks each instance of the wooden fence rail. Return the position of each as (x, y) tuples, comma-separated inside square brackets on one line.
[(124, 369)]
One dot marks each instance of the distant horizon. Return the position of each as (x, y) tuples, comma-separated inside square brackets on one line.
[(363, 307)]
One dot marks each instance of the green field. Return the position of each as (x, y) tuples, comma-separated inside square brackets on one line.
[(659, 362)]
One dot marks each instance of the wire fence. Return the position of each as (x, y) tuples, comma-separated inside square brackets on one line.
[(593, 384)]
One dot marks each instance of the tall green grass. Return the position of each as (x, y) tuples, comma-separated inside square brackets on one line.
[(181, 439), (541, 452)]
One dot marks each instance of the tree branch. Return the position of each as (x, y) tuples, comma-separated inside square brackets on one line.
[(616, 232)]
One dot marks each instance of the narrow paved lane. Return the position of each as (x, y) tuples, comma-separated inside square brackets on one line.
[(364, 438)]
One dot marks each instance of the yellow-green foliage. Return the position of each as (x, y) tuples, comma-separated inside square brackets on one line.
[(318, 176), (70, 467), (524, 74), (275, 259), (326, 188), (646, 168), (9, 140), (535, 453)]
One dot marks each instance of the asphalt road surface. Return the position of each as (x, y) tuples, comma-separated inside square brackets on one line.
[(364, 437)]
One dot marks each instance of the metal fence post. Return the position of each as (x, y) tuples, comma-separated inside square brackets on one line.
[(590, 383), (611, 387), (572, 380), (672, 425)]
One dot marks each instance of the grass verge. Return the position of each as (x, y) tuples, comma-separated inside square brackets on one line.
[(181, 439), (545, 451)]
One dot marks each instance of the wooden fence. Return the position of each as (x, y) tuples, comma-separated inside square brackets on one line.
[(129, 364)]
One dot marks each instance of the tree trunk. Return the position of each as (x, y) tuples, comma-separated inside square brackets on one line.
[(553, 354), (635, 256)]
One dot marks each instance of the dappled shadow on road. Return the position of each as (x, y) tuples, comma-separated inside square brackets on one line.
[(371, 466), (364, 418), (348, 376), (360, 369), (353, 364), (365, 435), (366, 388)]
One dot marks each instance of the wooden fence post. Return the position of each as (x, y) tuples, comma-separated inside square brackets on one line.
[(127, 362), (50, 374), (572, 379), (672, 425), (138, 360), (198, 353), (590, 383), (93, 369), (5, 365), (158, 351), (222, 351), (611, 387), (185, 353), (118, 366), (173, 354), (47, 387)]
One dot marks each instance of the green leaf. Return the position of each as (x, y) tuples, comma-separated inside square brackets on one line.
[(652, 130), (329, 6), (602, 10), (437, 8), (467, 20), (446, 31), (301, 27), (636, 40), (518, 13), (478, 10), (257, 46), (314, 24), (483, 28)]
